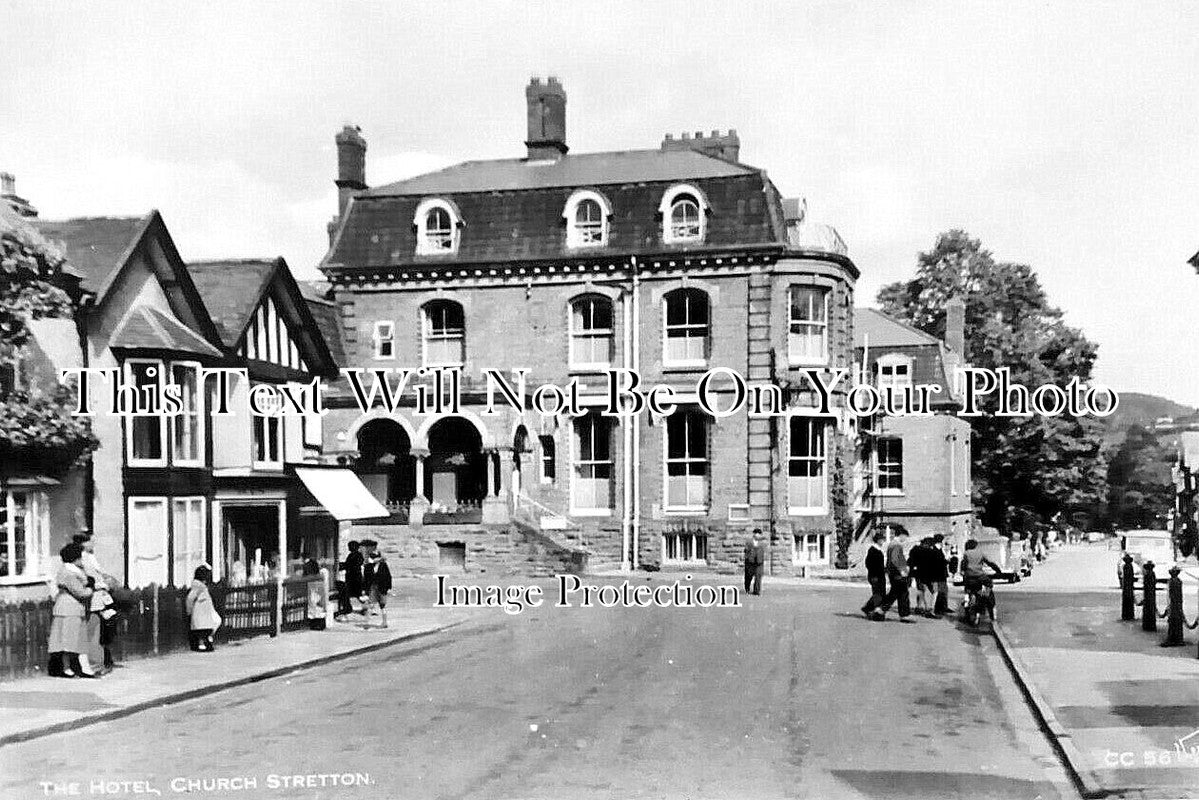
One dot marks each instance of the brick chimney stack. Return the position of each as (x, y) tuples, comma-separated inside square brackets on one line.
[(547, 119), (9, 196), (955, 325), (351, 172), (726, 146), (351, 165)]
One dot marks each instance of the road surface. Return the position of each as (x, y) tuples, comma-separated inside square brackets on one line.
[(793, 695)]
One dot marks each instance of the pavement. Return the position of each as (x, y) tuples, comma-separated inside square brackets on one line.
[(791, 695), (1124, 709), (39, 706)]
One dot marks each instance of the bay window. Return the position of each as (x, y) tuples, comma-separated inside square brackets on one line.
[(807, 341), (187, 428), (24, 534), (188, 525)]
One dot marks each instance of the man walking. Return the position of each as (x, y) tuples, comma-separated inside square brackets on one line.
[(919, 562), (876, 573), (755, 561), (898, 574), (938, 575), (352, 583)]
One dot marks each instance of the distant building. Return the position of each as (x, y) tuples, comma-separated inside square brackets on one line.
[(667, 261), (913, 471)]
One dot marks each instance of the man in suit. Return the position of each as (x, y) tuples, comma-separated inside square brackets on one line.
[(898, 574), (755, 561), (876, 573), (938, 575), (352, 582)]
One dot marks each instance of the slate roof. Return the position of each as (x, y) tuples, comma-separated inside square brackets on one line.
[(149, 328), (876, 335), (328, 322), (512, 210), (232, 290), (879, 330), (584, 169), (96, 247)]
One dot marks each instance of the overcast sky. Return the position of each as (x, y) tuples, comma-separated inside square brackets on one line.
[(1065, 136)]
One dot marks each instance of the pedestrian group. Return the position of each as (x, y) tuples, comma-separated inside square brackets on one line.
[(891, 570)]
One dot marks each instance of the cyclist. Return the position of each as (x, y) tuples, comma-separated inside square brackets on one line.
[(975, 575)]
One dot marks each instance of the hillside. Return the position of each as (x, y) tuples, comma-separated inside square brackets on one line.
[(1137, 408)]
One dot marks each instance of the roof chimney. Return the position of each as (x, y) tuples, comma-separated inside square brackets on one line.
[(726, 146), (955, 325), (8, 194), (351, 171), (547, 119)]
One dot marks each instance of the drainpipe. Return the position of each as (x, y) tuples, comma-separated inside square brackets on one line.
[(626, 433), (636, 353)]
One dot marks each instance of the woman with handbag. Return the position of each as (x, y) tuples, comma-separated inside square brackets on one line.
[(201, 611), (67, 630)]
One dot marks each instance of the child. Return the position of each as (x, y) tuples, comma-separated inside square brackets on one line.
[(379, 583), (204, 619)]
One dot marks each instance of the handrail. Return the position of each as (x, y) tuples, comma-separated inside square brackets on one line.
[(523, 499)]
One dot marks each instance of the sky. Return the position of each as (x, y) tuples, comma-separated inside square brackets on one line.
[(1063, 135)]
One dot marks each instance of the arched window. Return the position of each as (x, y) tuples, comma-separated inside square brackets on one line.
[(586, 215), (687, 328), (443, 334), (437, 225), (683, 211), (591, 332)]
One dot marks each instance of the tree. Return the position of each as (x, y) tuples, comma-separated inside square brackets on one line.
[(37, 432), (1140, 481), (1042, 465)]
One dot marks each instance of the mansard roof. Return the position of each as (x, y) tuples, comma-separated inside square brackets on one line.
[(584, 169), (512, 209)]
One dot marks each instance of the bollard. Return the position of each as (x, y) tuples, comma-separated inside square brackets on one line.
[(1149, 604), (1174, 614), (1128, 608)]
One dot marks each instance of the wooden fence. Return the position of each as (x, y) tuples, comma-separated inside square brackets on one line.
[(158, 621)]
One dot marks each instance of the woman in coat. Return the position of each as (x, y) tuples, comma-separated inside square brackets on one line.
[(201, 611), (70, 611)]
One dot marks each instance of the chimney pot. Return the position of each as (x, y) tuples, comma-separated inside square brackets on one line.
[(546, 116), (8, 184)]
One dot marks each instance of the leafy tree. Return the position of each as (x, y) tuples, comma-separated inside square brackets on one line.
[(1140, 481), (37, 431), (1038, 465)]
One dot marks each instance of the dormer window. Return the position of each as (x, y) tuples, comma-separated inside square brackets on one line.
[(437, 227), (683, 211), (586, 216), (894, 377)]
